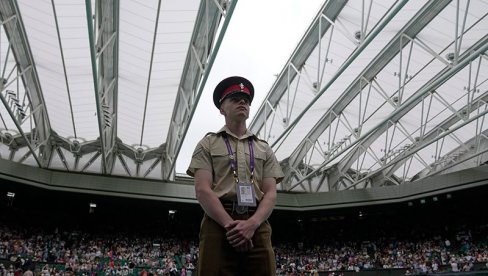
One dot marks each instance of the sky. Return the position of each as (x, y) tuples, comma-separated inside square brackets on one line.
[(258, 42)]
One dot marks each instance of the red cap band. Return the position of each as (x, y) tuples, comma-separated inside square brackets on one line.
[(234, 88)]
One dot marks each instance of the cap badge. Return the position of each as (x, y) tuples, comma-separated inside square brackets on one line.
[(241, 86)]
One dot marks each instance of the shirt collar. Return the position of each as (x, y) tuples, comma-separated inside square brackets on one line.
[(245, 136)]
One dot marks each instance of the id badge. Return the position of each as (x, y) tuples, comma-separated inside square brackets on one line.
[(245, 194)]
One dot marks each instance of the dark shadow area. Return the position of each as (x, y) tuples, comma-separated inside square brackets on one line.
[(390, 239)]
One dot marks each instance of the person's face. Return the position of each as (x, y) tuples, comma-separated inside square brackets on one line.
[(237, 98), (17, 247), (236, 106)]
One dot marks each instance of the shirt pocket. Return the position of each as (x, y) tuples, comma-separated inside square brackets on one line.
[(220, 164), (259, 161)]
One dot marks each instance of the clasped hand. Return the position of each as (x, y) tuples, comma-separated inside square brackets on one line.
[(239, 235)]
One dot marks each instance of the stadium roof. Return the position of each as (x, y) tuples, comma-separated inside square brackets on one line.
[(376, 93), (104, 86)]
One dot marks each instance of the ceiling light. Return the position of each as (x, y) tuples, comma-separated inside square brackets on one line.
[(357, 35), (450, 57)]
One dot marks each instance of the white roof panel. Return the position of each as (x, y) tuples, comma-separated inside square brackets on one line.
[(375, 93)]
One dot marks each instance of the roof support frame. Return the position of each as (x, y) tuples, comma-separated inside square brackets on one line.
[(64, 68), (321, 24), (124, 164), (104, 55), (343, 67), (480, 150), (443, 127), (15, 31), (470, 55), (201, 55), (396, 162), (364, 144), (153, 47), (414, 26)]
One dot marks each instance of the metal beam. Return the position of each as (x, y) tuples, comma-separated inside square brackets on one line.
[(476, 147), (481, 48), (438, 130), (199, 61), (321, 24), (39, 145), (345, 163), (104, 54), (415, 149), (412, 28), (182, 190)]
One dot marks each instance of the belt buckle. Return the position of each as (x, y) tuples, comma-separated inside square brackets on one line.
[(240, 210)]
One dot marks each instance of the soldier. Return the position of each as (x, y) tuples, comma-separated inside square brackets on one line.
[(235, 183)]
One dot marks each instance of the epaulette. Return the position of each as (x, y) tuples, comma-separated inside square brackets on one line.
[(255, 137), (210, 133)]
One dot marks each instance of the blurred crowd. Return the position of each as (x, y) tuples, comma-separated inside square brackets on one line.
[(417, 257), (57, 251), (55, 235)]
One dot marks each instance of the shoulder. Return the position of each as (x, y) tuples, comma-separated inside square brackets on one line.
[(209, 136), (263, 146), (211, 141), (261, 140)]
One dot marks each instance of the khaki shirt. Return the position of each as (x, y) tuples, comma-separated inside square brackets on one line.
[(211, 154)]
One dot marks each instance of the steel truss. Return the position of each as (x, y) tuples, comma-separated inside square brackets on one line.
[(357, 143), (26, 105), (22, 96)]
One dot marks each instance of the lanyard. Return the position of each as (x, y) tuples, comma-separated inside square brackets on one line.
[(232, 161)]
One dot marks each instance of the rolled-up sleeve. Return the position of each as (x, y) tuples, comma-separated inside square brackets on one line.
[(201, 158)]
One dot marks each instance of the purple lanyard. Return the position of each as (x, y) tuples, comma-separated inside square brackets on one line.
[(232, 161)]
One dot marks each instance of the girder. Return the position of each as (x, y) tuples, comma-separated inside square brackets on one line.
[(322, 22), (413, 27), (28, 115), (375, 94), (472, 148), (353, 155), (477, 50), (103, 36), (106, 154), (320, 86), (199, 61)]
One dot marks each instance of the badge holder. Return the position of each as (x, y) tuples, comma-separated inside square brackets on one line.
[(246, 196)]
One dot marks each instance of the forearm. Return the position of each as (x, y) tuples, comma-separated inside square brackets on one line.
[(267, 203), (265, 208), (213, 207)]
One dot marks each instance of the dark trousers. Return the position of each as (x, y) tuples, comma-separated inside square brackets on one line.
[(218, 258)]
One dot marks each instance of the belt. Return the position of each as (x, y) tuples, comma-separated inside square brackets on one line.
[(234, 209)]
